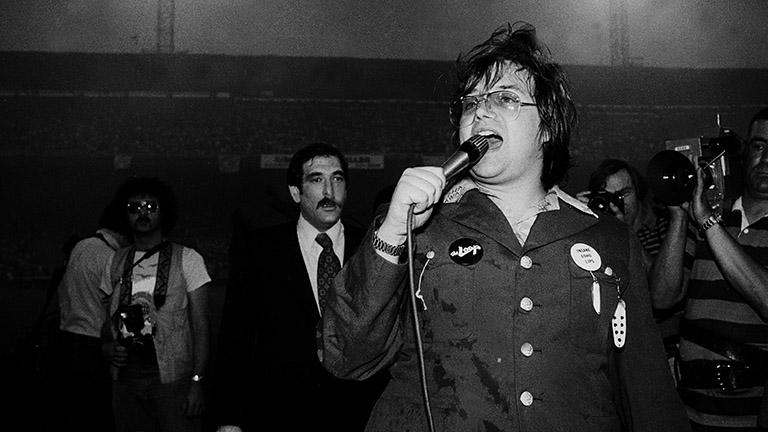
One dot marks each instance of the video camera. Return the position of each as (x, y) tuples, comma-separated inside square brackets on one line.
[(671, 173)]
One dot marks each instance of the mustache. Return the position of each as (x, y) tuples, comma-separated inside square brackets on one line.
[(326, 202), (142, 219)]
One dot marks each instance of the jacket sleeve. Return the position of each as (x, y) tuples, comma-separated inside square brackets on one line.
[(362, 322), (645, 396), (237, 339)]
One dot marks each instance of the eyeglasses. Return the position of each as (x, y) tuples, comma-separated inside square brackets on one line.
[(143, 206), (464, 108)]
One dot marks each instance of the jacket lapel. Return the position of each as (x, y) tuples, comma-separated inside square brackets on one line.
[(552, 226), (298, 276), (477, 212)]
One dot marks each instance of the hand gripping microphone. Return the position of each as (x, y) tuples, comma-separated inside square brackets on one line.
[(468, 153)]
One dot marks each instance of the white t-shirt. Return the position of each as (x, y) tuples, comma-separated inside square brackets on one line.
[(144, 275), (144, 278)]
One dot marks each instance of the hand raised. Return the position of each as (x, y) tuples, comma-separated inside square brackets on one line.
[(421, 186)]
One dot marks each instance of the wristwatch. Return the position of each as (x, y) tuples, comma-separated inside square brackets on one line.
[(197, 378), (382, 246), (709, 222)]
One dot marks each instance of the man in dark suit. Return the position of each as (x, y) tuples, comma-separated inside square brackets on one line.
[(270, 375)]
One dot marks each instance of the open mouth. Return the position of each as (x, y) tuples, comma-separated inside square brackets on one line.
[(494, 139), (327, 205)]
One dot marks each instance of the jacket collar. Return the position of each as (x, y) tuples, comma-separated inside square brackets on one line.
[(472, 209)]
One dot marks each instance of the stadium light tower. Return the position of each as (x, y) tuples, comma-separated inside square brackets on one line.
[(618, 31), (166, 12)]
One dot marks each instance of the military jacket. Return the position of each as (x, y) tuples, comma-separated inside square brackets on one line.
[(516, 338)]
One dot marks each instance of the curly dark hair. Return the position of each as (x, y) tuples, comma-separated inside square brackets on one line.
[(609, 167), (149, 186), (760, 115), (296, 166), (517, 43)]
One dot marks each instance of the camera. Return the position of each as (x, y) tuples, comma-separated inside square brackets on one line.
[(718, 157), (671, 173), (599, 201), (132, 328)]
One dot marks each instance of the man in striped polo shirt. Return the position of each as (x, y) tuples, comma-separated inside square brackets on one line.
[(724, 337)]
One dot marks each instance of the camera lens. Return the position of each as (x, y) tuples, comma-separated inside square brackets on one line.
[(599, 203)]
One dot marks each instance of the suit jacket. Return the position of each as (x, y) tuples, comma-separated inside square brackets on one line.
[(269, 375)]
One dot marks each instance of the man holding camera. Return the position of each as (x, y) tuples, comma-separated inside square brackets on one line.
[(158, 317), (617, 188), (723, 349)]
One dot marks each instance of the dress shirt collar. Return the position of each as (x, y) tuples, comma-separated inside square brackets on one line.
[(307, 233)]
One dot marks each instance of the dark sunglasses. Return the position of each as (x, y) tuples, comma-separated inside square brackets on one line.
[(143, 206)]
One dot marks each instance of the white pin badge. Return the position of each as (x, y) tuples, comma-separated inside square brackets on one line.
[(619, 323), (588, 259)]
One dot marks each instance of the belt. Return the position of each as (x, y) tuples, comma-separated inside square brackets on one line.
[(735, 351), (723, 375)]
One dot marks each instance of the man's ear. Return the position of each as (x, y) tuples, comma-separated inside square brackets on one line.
[(295, 193)]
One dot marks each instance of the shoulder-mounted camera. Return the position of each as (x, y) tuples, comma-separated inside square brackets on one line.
[(671, 173)]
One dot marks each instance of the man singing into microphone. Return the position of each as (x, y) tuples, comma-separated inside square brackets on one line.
[(534, 311)]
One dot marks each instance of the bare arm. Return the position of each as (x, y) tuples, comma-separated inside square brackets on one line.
[(198, 310), (745, 274), (666, 279)]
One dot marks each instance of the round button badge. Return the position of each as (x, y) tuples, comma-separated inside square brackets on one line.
[(586, 257)]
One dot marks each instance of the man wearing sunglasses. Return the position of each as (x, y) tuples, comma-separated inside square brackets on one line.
[(158, 332), (534, 311)]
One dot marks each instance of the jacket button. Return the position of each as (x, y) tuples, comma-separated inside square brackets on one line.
[(526, 304), (526, 262), (526, 398), (526, 349)]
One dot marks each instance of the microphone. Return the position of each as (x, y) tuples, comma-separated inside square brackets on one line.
[(468, 154)]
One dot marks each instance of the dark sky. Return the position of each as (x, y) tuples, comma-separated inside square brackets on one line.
[(663, 33)]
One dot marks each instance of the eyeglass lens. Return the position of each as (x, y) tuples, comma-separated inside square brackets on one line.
[(503, 99)]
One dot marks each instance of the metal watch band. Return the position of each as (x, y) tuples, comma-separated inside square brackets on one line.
[(382, 246), (711, 221)]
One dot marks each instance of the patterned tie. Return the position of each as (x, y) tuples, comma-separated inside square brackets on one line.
[(327, 266)]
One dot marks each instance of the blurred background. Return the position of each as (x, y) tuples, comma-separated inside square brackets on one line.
[(213, 97)]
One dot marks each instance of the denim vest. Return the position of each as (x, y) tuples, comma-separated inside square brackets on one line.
[(173, 332)]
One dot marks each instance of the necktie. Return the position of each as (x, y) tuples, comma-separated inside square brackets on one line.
[(327, 266)]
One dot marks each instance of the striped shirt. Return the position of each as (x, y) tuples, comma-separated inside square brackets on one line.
[(652, 236), (715, 308)]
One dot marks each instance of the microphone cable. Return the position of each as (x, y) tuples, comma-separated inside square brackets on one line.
[(467, 155), (416, 329)]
